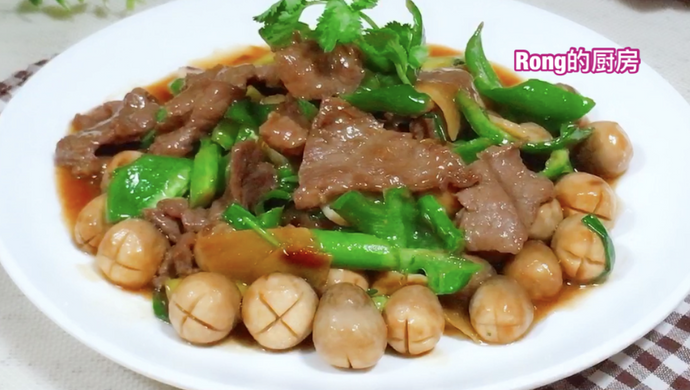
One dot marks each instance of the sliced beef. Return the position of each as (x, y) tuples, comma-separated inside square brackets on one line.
[(178, 143), (178, 261), (167, 224), (499, 211), (96, 116), (202, 103), (309, 73), (135, 117), (286, 128), (247, 74), (310, 219), (348, 149), (197, 109), (422, 128), (218, 207), (452, 80), (239, 76), (174, 218), (252, 176)]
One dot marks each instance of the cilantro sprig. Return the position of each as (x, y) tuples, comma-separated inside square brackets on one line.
[(340, 22), (395, 48)]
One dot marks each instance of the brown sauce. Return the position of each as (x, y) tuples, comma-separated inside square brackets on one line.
[(75, 193), (566, 298)]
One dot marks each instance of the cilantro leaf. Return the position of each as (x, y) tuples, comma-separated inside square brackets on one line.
[(404, 33), (375, 44), (339, 23), (273, 13), (418, 55), (281, 21), (359, 5), (397, 47)]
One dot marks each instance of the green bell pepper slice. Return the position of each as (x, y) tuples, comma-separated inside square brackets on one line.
[(145, 182)]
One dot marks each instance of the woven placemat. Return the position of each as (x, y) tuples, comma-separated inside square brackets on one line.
[(658, 361)]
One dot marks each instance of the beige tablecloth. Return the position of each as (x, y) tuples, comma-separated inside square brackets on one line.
[(36, 354)]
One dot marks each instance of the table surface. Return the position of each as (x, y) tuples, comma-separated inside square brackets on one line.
[(36, 354)]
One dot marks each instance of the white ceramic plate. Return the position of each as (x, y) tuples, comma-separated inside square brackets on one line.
[(651, 277)]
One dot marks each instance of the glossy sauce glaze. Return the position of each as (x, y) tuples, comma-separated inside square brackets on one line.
[(75, 193)]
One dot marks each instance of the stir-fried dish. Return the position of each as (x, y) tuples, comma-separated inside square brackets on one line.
[(350, 189)]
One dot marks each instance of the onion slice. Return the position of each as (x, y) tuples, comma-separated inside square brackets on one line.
[(444, 97), (530, 132), (333, 216), (458, 316)]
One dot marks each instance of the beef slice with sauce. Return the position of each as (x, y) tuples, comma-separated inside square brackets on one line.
[(286, 128), (111, 124), (348, 149), (203, 102), (251, 176), (309, 73), (193, 113), (499, 211)]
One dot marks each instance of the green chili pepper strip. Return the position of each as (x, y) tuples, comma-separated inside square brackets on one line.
[(363, 213), (558, 164), (594, 224), (160, 304), (272, 196), (242, 219), (246, 133), (446, 274), (261, 112), (480, 122), (400, 99), (148, 139), (479, 66), (161, 114), (205, 174), (435, 216), (307, 109), (439, 125), (543, 100), (176, 86), (535, 97), (271, 219), (418, 25), (468, 150), (225, 133), (241, 112), (570, 135), (359, 251), (223, 172), (490, 132), (250, 114), (401, 216)]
